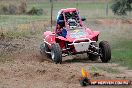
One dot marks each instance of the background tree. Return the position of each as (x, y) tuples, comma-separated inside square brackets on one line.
[(121, 7)]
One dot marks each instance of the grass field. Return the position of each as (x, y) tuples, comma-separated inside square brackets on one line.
[(121, 43), (119, 36)]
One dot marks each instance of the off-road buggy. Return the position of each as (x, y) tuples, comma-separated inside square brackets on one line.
[(79, 39)]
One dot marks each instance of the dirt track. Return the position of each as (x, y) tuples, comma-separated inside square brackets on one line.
[(26, 68)]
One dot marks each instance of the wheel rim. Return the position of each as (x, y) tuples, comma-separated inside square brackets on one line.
[(52, 55), (44, 47)]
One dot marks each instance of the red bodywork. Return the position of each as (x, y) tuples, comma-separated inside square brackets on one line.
[(51, 37)]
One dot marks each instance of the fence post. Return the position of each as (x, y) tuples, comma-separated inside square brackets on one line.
[(51, 2), (106, 7)]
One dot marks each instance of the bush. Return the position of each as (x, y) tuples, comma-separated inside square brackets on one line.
[(121, 7), (35, 11), (13, 8), (4, 9), (21, 8)]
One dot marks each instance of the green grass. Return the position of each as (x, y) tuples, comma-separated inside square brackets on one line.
[(122, 53), (109, 70), (99, 69), (67, 4), (120, 39), (13, 20)]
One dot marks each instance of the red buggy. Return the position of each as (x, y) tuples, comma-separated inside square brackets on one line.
[(79, 39)]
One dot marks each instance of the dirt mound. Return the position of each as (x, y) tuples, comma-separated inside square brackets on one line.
[(113, 21), (8, 45)]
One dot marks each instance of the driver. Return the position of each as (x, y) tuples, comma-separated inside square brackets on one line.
[(61, 31)]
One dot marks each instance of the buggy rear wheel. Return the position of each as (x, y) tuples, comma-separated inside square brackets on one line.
[(43, 49), (105, 51), (56, 53)]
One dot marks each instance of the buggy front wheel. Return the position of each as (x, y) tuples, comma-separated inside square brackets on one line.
[(56, 53), (105, 51)]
